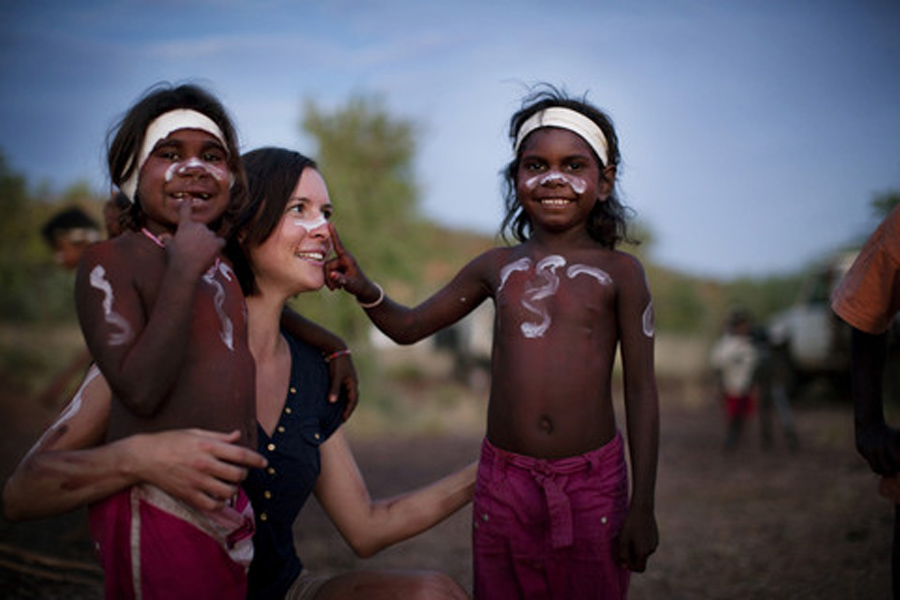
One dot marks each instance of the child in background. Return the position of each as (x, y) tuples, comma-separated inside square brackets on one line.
[(164, 319), (69, 233), (735, 360), (552, 517)]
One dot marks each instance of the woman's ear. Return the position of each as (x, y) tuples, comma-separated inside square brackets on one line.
[(607, 181)]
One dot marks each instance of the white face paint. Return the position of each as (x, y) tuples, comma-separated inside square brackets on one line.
[(124, 334), (311, 224), (227, 332), (577, 184), (219, 172)]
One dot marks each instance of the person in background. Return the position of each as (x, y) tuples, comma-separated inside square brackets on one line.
[(868, 299), (69, 233), (735, 359)]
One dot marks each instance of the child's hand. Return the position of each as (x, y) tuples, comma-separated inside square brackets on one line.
[(194, 245), (637, 540), (343, 377), (879, 444), (342, 270)]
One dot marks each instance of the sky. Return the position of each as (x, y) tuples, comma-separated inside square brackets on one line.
[(754, 134)]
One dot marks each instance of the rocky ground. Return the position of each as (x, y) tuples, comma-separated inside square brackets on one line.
[(748, 524)]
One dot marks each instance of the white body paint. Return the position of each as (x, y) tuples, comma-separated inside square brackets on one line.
[(227, 332), (98, 280), (647, 320), (69, 411), (544, 284), (577, 184), (547, 284), (599, 274)]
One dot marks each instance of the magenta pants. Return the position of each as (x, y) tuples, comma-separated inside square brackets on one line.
[(546, 529)]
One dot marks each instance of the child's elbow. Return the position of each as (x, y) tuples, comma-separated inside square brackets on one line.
[(365, 546)]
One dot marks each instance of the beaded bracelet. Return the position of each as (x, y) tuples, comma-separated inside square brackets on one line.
[(338, 354), (375, 302)]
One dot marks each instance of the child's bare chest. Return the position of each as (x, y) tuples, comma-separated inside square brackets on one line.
[(537, 297)]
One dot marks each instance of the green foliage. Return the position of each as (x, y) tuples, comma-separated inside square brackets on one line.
[(366, 156), (884, 202)]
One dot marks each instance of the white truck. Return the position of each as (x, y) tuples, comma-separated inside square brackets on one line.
[(810, 341)]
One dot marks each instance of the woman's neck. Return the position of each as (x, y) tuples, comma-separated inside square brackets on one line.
[(264, 325)]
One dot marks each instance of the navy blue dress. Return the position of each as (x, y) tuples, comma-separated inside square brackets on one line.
[(279, 491)]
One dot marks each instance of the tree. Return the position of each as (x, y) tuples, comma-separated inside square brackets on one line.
[(366, 156), (883, 203)]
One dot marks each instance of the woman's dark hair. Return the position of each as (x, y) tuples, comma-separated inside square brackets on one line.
[(607, 222), (127, 136), (272, 175)]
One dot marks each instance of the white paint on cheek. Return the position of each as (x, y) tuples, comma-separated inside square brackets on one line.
[(577, 184), (124, 334), (647, 321), (227, 332), (219, 173), (599, 274), (544, 285)]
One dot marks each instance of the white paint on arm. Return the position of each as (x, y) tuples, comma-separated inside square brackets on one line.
[(124, 334)]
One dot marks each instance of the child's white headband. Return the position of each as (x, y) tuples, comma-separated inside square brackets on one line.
[(159, 129), (566, 118)]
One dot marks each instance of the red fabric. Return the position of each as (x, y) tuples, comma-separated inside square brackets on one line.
[(177, 560)]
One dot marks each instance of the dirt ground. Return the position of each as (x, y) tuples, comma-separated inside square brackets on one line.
[(746, 525)]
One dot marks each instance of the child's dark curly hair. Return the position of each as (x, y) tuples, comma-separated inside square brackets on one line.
[(607, 222), (127, 136)]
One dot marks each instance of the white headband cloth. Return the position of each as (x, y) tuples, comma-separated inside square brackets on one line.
[(566, 118), (159, 129)]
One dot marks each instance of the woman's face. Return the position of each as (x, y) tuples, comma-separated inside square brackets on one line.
[(290, 261)]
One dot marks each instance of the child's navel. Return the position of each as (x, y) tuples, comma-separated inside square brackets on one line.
[(546, 425)]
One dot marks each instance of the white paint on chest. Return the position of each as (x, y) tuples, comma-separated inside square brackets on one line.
[(543, 284)]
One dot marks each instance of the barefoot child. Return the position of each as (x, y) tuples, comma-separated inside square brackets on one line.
[(552, 517), (164, 318)]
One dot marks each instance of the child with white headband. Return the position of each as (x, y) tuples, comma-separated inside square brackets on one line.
[(164, 319), (552, 514)]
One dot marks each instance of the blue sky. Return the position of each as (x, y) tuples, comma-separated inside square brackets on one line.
[(754, 134)]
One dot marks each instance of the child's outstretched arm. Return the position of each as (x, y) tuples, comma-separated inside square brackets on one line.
[(336, 353), (639, 535), (403, 324), (142, 354)]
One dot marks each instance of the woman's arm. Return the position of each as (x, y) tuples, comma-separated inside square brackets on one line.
[(369, 526), (67, 469)]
